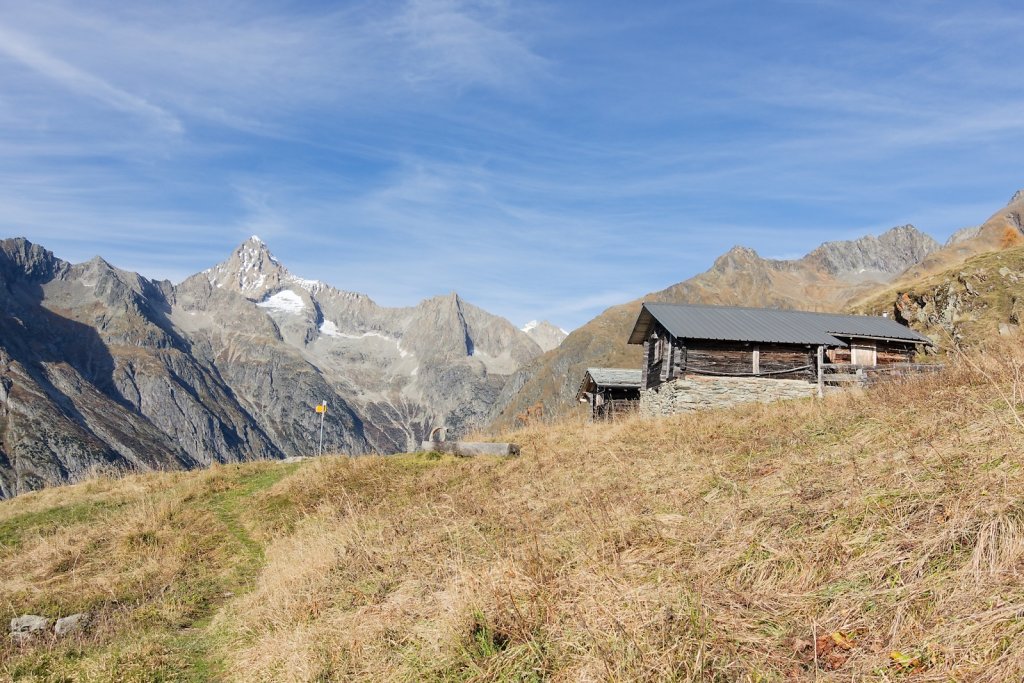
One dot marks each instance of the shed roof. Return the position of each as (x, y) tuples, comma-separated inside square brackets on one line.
[(767, 325), (612, 378), (615, 377)]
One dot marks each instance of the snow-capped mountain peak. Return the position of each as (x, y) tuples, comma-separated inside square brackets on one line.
[(547, 335), (250, 270), (253, 271)]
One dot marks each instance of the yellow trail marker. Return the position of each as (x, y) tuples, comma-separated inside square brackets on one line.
[(322, 409)]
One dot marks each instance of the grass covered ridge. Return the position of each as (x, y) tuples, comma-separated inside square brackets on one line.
[(869, 536), (963, 306)]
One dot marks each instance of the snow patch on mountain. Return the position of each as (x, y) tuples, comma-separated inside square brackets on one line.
[(331, 330), (311, 286), (363, 335), (285, 301)]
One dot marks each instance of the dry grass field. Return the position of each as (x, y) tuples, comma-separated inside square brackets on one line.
[(875, 535)]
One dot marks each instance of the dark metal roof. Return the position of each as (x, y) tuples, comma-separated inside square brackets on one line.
[(767, 325)]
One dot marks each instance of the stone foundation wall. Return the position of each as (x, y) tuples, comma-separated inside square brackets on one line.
[(695, 392)]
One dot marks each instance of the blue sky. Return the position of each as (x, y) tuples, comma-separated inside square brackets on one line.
[(545, 160)]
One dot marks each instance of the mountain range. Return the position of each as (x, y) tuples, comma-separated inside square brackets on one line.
[(102, 368)]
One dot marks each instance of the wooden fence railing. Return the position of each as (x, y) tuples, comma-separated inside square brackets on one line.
[(845, 375)]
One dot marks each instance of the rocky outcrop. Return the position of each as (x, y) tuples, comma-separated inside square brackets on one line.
[(28, 626), (1003, 230), (71, 624), (963, 235), (966, 305)]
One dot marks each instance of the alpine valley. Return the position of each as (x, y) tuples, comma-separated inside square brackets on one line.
[(105, 369)]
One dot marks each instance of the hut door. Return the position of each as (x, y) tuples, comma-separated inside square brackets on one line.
[(863, 354)]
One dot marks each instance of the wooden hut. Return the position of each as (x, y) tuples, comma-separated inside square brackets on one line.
[(610, 392), (681, 340)]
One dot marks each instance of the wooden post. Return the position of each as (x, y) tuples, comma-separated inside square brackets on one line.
[(647, 364), (666, 357), (757, 360), (821, 372)]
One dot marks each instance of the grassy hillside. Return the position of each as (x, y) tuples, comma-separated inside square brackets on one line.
[(869, 536), (967, 303)]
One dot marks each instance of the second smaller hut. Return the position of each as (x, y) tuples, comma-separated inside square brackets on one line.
[(611, 392)]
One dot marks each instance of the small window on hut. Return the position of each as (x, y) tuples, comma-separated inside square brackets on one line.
[(657, 348)]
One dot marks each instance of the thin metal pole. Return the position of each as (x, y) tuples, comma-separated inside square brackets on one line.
[(323, 414)]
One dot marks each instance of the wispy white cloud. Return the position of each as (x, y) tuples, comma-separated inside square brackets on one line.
[(459, 42), (23, 50), (247, 65), (532, 148)]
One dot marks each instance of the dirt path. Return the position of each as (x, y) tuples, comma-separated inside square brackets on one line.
[(197, 641)]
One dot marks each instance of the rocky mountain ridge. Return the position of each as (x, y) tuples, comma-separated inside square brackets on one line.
[(1003, 229), (102, 368), (875, 257)]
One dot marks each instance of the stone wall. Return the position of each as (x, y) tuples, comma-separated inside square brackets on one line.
[(697, 392)]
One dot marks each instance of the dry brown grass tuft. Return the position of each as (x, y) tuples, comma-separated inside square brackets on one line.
[(870, 536), (1010, 238)]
